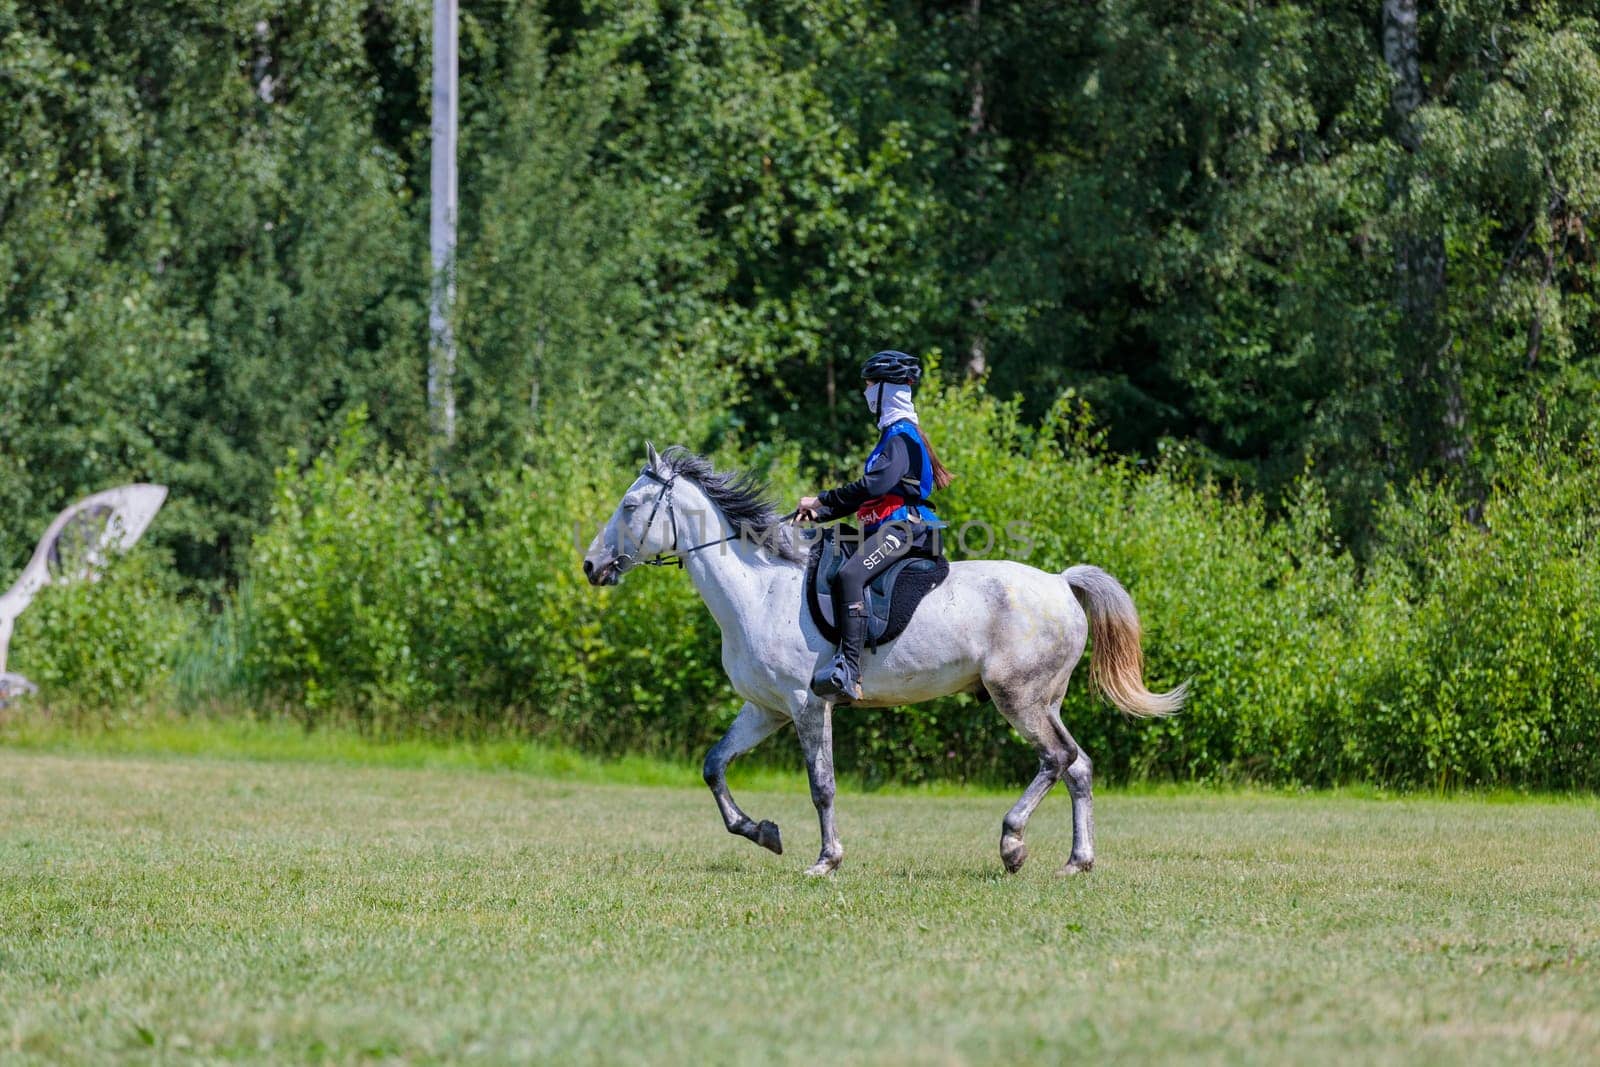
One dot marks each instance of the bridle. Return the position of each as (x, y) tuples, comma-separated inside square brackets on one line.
[(662, 559)]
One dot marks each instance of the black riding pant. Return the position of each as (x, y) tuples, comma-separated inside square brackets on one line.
[(889, 542)]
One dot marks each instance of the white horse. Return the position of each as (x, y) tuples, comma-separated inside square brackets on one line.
[(996, 627)]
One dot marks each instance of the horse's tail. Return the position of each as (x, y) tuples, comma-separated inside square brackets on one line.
[(1117, 663)]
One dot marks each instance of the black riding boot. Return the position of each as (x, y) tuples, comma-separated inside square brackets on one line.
[(840, 677)]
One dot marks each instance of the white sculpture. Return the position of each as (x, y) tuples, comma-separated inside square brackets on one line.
[(73, 549)]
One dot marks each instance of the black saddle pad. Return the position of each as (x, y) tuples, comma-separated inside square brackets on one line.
[(892, 596)]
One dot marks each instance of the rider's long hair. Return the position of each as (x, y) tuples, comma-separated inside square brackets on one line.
[(941, 477)]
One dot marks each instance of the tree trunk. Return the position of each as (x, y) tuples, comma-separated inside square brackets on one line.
[(977, 350), (442, 233), (1432, 370), (536, 389), (261, 65)]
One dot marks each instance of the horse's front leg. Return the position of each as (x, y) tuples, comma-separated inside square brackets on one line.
[(814, 723), (753, 726)]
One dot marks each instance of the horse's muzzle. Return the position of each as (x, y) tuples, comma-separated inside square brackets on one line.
[(605, 574)]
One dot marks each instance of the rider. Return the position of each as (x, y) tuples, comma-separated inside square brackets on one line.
[(891, 502)]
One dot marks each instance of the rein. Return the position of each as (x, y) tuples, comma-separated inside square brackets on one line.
[(662, 559)]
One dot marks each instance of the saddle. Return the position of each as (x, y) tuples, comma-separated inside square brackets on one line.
[(892, 596)]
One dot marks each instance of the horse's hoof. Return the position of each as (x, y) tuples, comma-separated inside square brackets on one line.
[(1072, 867), (1013, 853), (767, 836), (825, 864)]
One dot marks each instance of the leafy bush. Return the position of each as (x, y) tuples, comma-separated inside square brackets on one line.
[(107, 644), (1494, 678), (1458, 654), (346, 583), (373, 596)]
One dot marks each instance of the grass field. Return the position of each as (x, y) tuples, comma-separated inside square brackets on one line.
[(195, 908)]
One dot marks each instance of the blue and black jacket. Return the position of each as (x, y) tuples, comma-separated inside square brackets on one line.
[(895, 486)]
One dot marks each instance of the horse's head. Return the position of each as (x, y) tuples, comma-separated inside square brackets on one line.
[(639, 528)]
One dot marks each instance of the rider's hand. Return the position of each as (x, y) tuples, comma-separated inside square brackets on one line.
[(808, 509)]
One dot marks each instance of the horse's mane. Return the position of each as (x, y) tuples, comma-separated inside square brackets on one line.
[(741, 496)]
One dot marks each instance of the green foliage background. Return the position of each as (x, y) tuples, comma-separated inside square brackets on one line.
[(107, 647), (1369, 542)]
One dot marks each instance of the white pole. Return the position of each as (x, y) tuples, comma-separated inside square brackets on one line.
[(442, 229)]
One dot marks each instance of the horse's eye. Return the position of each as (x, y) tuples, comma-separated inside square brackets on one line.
[(628, 509)]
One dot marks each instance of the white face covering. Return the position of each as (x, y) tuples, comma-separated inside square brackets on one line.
[(896, 403)]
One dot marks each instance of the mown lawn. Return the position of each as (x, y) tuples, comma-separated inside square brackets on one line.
[(190, 908)]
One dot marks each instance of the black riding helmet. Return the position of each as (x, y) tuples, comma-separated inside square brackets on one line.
[(893, 368)]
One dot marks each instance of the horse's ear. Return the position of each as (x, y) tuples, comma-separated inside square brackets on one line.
[(651, 458)]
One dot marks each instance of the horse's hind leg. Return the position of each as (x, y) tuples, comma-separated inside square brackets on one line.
[(1040, 724), (1080, 783), (814, 723), (753, 726)]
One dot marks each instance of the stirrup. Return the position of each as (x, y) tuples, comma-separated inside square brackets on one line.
[(834, 679)]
